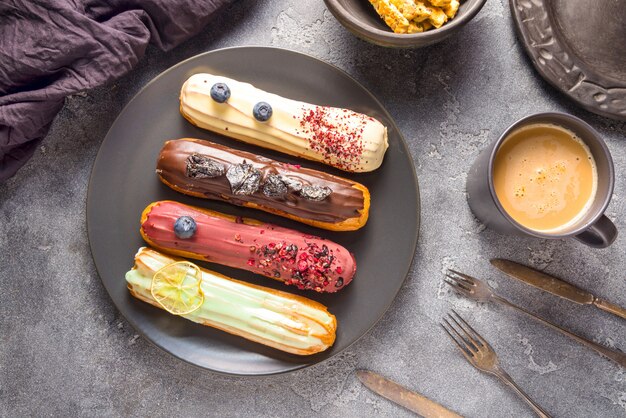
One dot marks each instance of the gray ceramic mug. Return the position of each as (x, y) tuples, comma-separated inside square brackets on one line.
[(593, 229)]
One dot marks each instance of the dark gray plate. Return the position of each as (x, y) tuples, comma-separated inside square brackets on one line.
[(578, 46), (123, 182)]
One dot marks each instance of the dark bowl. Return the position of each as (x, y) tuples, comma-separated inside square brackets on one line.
[(360, 18)]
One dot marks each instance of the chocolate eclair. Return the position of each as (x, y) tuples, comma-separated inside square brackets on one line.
[(208, 170)]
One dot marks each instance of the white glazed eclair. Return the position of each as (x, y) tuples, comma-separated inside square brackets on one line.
[(341, 138), (277, 319)]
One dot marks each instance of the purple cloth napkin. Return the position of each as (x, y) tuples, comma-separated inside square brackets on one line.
[(50, 49)]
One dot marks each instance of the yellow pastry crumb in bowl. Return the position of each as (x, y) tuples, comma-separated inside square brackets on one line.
[(413, 16)]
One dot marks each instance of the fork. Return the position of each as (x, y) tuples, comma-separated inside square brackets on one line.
[(480, 355), (480, 291)]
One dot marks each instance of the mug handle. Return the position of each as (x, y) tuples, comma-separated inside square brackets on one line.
[(599, 235)]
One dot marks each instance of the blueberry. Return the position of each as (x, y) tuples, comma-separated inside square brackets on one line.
[(262, 111), (185, 227), (220, 92)]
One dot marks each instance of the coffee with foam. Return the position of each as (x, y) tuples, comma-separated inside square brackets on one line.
[(545, 177)]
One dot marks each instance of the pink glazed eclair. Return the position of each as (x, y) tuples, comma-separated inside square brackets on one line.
[(295, 258)]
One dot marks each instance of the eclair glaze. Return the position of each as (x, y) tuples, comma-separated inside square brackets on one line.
[(277, 319), (344, 203), (297, 259), (343, 138)]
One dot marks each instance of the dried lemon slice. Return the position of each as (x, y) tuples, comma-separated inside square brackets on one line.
[(176, 287)]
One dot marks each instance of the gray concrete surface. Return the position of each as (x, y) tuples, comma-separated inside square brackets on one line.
[(66, 351)]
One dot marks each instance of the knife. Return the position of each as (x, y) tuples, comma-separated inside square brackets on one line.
[(555, 286), (402, 396)]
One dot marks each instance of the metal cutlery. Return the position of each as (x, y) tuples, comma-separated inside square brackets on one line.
[(480, 355), (404, 397), (555, 286), (480, 291)]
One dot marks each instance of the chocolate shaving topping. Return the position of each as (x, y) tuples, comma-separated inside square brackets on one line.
[(243, 178), (274, 186), (316, 193), (293, 185), (200, 166)]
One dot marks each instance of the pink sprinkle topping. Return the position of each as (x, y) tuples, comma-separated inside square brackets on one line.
[(338, 140)]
